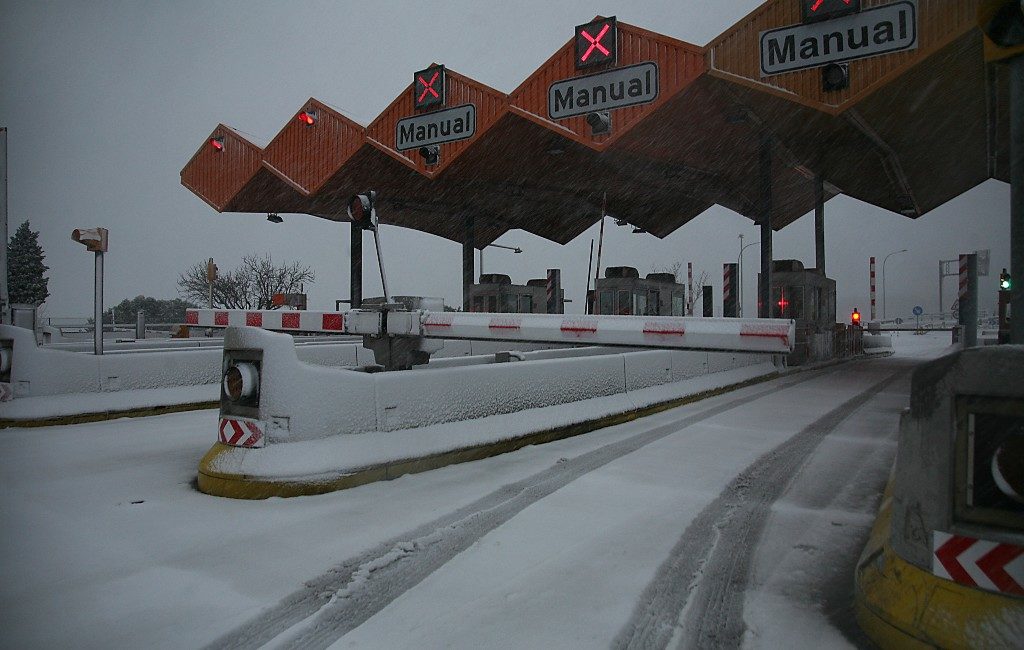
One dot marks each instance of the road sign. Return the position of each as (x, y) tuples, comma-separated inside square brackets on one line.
[(596, 43), (918, 311), (428, 87), (448, 125), (873, 32), (604, 91), (813, 11)]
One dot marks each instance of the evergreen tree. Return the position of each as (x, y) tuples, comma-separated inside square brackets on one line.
[(25, 268)]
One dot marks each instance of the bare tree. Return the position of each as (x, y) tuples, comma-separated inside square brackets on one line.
[(692, 291), (251, 286)]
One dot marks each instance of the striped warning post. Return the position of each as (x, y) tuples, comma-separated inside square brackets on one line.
[(962, 294), (871, 275)]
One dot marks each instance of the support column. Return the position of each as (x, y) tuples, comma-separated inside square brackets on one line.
[(819, 224), (4, 296), (98, 305), (1016, 66), (356, 267), (468, 244), (765, 219)]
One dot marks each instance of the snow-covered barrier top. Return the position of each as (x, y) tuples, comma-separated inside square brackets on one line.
[(300, 402), (763, 335)]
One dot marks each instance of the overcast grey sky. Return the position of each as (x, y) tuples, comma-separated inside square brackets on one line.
[(105, 102)]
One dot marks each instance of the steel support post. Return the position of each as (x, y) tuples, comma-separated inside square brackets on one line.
[(969, 310), (356, 266), (468, 244), (819, 225), (98, 305), (1016, 67), (764, 288), (5, 299)]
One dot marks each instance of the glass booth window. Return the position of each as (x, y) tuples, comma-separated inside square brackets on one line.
[(526, 303), (640, 308), (606, 303), (653, 303), (677, 304), (624, 302)]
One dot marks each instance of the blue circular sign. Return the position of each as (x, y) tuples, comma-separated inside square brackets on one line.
[(918, 311)]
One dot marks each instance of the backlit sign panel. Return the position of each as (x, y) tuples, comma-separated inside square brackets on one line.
[(596, 43), (604, 91), (449, 125), (872, 32), (815, 10), (428, 87)]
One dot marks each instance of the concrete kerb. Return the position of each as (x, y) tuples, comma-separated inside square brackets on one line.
[(902, 606), (99, 416), (239, 486)]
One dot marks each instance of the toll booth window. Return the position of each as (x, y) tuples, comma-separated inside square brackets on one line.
[(640, 308), (624, 300), (606, 303), (677, 304), (508, 302), (653, 303), (526, 304), (990, 461), (796, 302), (478, 304), (492, 304)]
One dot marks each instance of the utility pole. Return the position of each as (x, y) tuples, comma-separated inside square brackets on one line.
[(5, 298)]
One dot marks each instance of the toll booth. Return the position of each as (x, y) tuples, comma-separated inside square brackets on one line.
[(809, 298), (622, 291), (497, 295)]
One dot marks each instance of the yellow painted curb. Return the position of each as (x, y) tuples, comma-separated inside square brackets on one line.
[(238, 486), (900, 605), (100, 416)]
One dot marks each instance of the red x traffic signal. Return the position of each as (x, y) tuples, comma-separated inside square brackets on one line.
[(595, 43), (428, 87)]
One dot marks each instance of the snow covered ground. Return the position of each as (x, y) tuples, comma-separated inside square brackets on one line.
[(736, 519)]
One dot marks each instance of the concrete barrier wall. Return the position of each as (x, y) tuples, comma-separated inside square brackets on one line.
[(38, 371), (302, 402)]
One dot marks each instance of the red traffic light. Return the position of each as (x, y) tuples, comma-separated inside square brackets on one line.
[(217, 143), (855, 317), (308, 117), (361, 210)]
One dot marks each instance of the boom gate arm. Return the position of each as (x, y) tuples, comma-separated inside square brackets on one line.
[(393, 328)]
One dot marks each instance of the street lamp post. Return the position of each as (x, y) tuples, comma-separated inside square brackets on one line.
[(883, 277), (739, 272), (514, 249)]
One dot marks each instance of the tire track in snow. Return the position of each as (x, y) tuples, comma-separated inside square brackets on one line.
[(706, 574), (346, 595)]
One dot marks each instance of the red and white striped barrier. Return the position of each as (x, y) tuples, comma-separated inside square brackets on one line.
[(871, 277), (731, 334), (241, 432), (271, 319), (978, 563)]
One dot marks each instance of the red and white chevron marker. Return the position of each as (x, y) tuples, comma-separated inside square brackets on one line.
[(241, 432), (978, 563)]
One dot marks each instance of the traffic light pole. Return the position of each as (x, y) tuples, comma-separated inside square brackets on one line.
[(1016, 69), (356, 266), (468, 244), (764, 289), (819, 224), (98, 305), (5, 298)]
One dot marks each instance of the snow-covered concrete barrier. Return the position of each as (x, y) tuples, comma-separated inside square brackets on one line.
[(289, 428), (878, 345), (944, 566)]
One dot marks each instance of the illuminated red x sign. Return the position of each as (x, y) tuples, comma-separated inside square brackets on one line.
[(815, 10), (428, 87), (595, 43)]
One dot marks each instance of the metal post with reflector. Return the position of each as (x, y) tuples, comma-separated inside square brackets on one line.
[(95, 241), (362, 210)]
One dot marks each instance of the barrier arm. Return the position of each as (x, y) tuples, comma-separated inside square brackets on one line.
[(765, 335)]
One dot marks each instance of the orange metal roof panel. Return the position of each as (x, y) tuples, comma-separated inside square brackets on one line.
[(736, 52), (490, 106), (679, 63), (305, 156), (217, 176)]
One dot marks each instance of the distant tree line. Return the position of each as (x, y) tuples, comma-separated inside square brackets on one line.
[(250, 286)]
